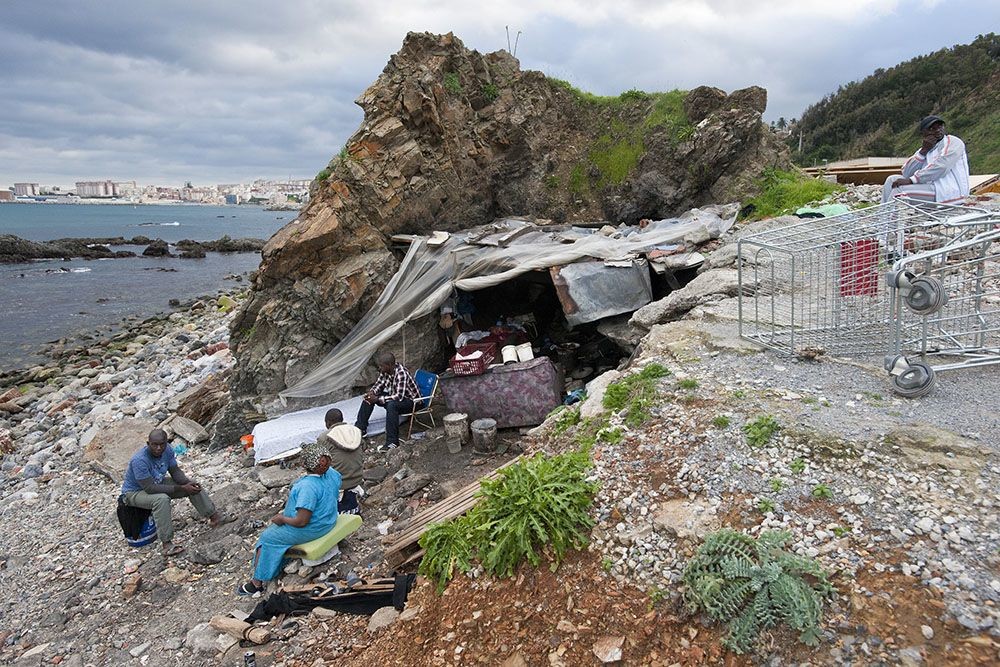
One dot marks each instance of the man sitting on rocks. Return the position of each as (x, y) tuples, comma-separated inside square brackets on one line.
[(938, 171), (146, 486), (343, 442), (394, 390)]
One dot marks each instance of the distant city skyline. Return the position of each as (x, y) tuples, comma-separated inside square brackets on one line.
[(166, 92), (71, 184), (273, 192)]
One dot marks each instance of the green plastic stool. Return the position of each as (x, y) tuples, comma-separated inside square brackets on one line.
[(315, 550)]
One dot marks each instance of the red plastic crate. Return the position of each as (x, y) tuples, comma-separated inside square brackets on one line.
[(473, 366)]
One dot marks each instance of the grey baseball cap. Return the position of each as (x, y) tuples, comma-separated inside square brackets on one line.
[(930, 120)]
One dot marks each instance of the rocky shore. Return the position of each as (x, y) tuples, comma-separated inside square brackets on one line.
[(896, 498), (73, 592), (15, 250)]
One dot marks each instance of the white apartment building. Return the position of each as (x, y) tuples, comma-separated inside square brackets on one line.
[(27, 189)]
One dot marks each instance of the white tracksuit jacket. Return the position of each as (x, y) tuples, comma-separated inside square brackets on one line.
[(945, 166)]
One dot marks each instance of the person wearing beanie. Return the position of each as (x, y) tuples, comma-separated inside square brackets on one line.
[(309, 513)]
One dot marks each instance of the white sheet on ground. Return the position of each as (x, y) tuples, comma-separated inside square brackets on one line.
[(284, 435)]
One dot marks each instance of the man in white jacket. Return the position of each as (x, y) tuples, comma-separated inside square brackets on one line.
[(938, 172)]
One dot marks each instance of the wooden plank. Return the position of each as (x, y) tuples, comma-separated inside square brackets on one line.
[(453, 506)]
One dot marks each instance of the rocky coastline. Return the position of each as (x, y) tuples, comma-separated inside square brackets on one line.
[(16, 250)]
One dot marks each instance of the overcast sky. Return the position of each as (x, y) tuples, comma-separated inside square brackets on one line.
[(224, 91)]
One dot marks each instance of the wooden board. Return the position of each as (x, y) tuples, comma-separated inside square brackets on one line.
[(402, 547)]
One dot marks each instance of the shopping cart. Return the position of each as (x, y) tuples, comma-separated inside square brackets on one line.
[(900, 280)]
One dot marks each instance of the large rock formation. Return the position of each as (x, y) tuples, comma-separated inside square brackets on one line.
[(452, 139)]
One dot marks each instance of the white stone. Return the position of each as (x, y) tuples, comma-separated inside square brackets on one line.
[(382, 618)]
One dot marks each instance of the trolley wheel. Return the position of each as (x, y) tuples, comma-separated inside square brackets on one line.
[(926, 295), (915, 381)]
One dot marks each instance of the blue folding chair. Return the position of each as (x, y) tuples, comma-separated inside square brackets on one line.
[(427, 384)]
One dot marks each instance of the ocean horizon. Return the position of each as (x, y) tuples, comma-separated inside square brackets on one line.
[(45, 301)]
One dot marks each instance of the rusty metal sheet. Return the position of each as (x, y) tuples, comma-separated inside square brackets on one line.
[(590, 291)]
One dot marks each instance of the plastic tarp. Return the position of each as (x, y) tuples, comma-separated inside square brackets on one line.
[(428, 275), (283, 436)]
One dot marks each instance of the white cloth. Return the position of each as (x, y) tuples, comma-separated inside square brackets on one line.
[(283, 436), (945, 167)]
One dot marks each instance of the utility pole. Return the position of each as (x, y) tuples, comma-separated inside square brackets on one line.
[(800, 141)]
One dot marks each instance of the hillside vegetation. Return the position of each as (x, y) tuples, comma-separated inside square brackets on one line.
[(877, 116)]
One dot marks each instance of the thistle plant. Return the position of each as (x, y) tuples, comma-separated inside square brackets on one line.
[(752, 584), (540, 505)]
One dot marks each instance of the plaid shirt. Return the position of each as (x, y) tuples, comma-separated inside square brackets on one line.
[(396, 385)]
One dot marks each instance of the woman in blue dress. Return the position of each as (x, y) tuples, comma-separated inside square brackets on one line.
[(311, 511)]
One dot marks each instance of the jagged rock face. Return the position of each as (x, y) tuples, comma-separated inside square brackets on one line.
[(452, 139)]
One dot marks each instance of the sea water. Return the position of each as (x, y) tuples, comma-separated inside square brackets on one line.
[(43, 301)]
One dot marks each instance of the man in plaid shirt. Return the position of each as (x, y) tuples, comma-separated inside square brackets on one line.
[(395, 391)]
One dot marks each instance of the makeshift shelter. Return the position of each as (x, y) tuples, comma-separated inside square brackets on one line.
[(597, 274)]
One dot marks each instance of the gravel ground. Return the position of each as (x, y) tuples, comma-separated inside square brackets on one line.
[(927, 511)]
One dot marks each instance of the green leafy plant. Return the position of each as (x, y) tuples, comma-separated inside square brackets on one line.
[(567, 418), (535, 505), (739, 393), (798, 466), (765, 505), (822, 491), (490, 91), (452, 83), (753, 584), (776, 485), (612, 435), (323, 175), (760, 431), (551, 182), (839, 531), (784, 191), (635, 394), (448, 549), (607, 564), (720, 421), (656, 596), (616, 154), (687, 383), (541, 501)]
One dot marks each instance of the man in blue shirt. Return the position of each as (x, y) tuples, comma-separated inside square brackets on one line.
[(147, 486)]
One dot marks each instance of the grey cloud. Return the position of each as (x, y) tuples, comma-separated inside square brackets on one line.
[(222, 91)]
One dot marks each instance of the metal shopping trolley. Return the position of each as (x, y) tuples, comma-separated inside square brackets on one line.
[(900, 280)]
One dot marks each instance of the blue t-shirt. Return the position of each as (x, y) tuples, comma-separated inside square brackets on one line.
[(319, 494), (144, 466)]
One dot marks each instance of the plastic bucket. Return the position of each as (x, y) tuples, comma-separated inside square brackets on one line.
[(509, 354), (456, 428), (484, 434), (146, 535), (524, 352)]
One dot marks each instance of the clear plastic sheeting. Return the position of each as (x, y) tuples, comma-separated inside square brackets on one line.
[(428, 276)]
